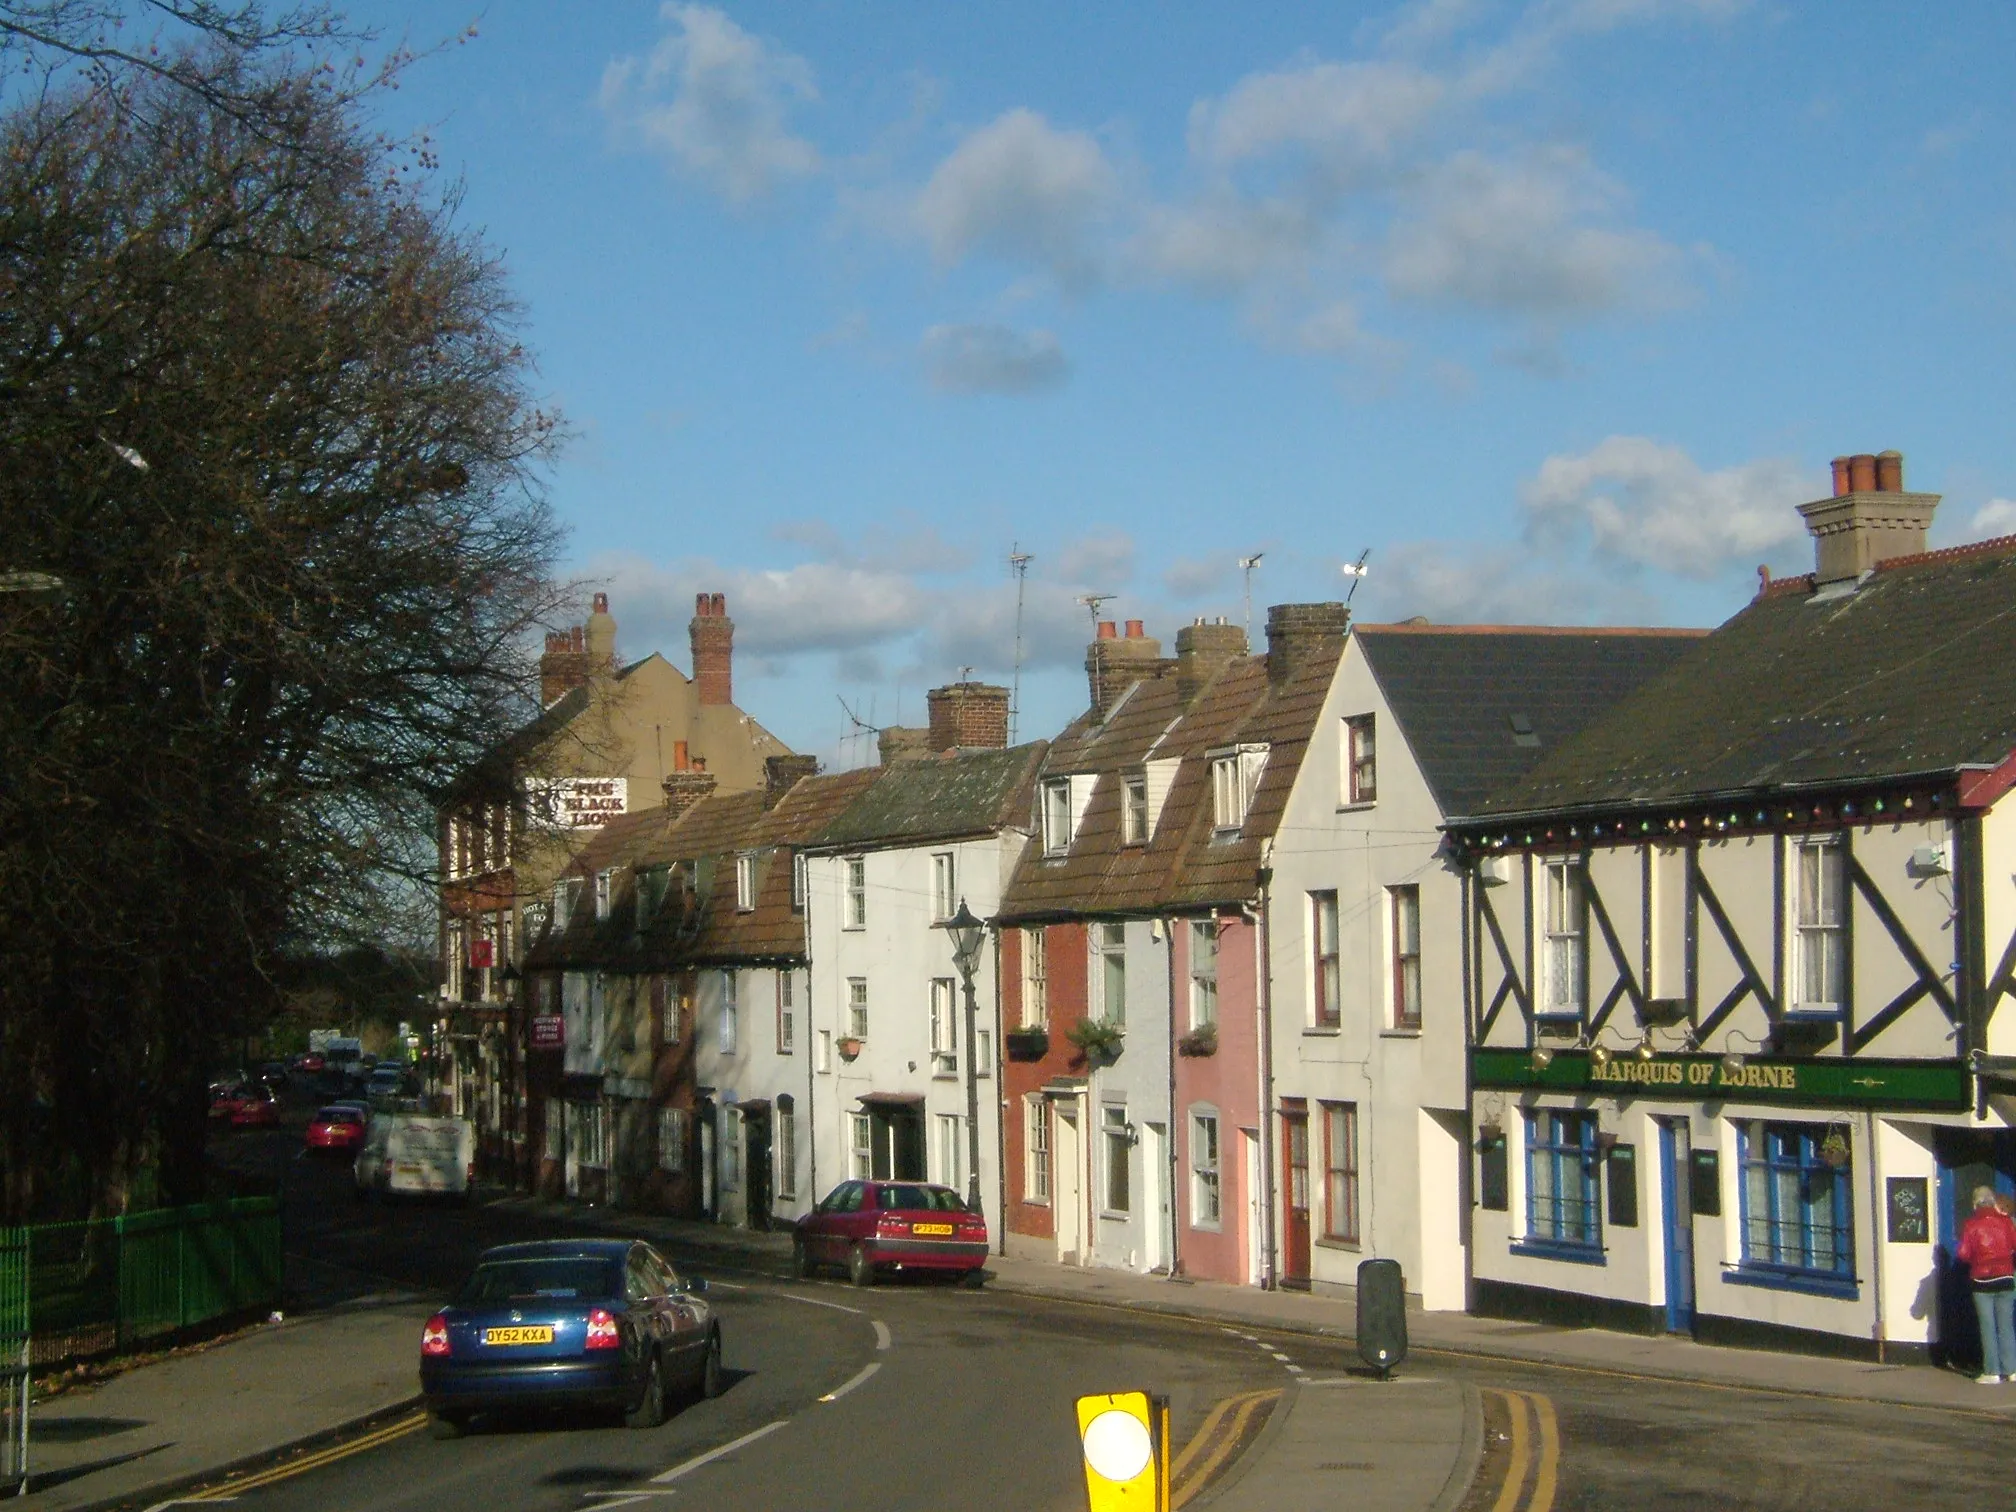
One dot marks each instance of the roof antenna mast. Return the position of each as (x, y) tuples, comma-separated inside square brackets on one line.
[(1356, 571), (1246, 565), (1018, 563)]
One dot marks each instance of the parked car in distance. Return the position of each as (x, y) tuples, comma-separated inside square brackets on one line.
[(338, 1130), (412, 1154), (273, 1075), (309, 1061), (256, 1109), (385, 1082), (569, 1323), (226, 1097), (872, 1226)]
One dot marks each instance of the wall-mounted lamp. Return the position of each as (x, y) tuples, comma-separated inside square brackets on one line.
[(1732, 1061), (1543, 1057)]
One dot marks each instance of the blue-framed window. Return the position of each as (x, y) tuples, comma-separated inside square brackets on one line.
[(1562, 1192), (1798, 1206)]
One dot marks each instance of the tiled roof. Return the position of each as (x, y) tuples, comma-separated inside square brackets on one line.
[(1478, 705), (1185, 865), (939, 797), (700, 923), (1911, 673)]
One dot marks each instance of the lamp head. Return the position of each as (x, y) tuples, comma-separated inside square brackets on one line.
[(1543, 1057), (967, 933)]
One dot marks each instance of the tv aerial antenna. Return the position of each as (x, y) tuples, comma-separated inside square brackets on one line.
[(1246, 565), (1356, 571), (1018, 563)]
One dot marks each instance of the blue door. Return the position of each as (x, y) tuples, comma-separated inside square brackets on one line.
[(1966, 1159), (1675, 1159)]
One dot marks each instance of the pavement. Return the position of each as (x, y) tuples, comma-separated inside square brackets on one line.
[(1408, 1445)]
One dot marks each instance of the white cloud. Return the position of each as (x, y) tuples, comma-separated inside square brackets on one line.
[(1462, 583), (1523, 237), (1225, 241), (1652, 505), (992, 359), (1020, 189), (1191, 577), (1995, 518), (1353, 119), (715, 102), (1102, 562)]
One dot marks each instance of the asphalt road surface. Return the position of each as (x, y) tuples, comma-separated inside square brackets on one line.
[(935, 1398)]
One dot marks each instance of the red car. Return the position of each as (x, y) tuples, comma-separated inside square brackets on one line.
[(336, 1130), (257, 1109), (870, 1226), (225, 1098), (310, 1060)]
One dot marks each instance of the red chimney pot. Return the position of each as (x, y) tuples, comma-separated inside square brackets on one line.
[(1862, 473), (1108, 630), (1135, 630)]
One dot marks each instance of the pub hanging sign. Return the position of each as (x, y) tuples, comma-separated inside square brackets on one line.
[(1706, 1078)]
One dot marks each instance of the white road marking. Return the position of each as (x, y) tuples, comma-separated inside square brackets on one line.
[(727, 1285), (817, 1302), (883, 1338), (855, 1380), (1278, 1355), (713, 1454), (188, 1501), (626, 1498)]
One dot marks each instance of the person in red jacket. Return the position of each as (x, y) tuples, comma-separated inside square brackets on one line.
[(1988, 1249)]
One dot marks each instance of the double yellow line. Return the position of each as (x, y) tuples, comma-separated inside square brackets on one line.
[(1214, 1447), (1546, 1465), (315, 1461)]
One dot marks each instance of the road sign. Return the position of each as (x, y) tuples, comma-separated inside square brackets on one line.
[(1382, 1314), (1125, 1438)]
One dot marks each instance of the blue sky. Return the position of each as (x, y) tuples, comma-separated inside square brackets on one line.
[(1557, 308)]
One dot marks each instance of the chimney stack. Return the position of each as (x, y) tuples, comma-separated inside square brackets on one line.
[(968, 716), (713, 635), (782, 773), (899, 743), (1869, 519), (1203, 650), (577, 654), (1113, 663), (601, 636), (1298, 634), (686, 787)]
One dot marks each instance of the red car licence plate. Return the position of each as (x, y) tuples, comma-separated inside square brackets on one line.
[(930, 1228)]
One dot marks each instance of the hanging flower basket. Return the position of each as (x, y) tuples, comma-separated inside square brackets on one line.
[(849, 1047), (1098, 1039), (1834, 1149), (1203, 1040)]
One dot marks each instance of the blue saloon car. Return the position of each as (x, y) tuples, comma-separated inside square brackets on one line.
[(603, 1323)]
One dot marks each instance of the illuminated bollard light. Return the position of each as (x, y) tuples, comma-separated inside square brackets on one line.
[(1125, 1438)]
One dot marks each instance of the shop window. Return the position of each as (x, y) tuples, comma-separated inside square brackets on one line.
[(1562, 1190), (1798, 1206)]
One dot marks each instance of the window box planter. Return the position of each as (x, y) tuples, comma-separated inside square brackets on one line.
[(1099, 1040), (848, 1046), (1199, 1041), (1027, 1044)]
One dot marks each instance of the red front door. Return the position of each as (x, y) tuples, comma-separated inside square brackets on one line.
[(1295, 1225)]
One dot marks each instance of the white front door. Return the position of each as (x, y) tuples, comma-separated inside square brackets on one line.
[(1068, 1198), (1155, 1188)]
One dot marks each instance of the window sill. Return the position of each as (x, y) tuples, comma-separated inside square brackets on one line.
[(1325, 1029), (1813, 1283), (1352, 1245), (1357, 805), (1108, 1215), (1207, 1228), (1042, 1202), (1550, 1249), (1409, 1033)]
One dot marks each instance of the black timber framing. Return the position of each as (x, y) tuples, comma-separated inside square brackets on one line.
[(1627, 984), (1752, 982)]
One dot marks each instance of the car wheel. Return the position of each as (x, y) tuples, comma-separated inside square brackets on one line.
[(650, 1409), (442, 1425), (974, 1279), (860, 1269), (712, 1382), (801, 1259)]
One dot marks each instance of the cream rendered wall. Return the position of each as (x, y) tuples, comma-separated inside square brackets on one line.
[(1998, 849), (1410, 1202)]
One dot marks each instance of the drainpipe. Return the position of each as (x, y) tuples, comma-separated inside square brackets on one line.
[(1174, 1126), (1000, 1074), (1876, 1236)]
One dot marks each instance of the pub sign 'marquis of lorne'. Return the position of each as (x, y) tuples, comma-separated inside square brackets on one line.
[(1707, 1078)]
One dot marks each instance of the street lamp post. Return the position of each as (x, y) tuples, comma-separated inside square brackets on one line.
[(968, 933)]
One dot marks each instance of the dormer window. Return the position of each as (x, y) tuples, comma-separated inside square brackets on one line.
[(1056, 816), (1235, 777), (605, 891), (745, 882), (651, 888), (1135, 812)]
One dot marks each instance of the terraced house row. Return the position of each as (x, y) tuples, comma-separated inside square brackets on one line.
[(1645, 978)]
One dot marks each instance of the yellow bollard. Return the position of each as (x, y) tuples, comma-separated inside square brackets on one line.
[(1125, 1439)]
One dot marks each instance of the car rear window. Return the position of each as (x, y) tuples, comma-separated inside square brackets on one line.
[(339, 1115), (558, 1276), (931, 1199)]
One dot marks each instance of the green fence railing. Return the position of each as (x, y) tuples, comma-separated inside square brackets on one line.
[(111, 1283)]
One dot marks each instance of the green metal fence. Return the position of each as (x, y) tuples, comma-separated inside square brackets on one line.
[(109, 1284)]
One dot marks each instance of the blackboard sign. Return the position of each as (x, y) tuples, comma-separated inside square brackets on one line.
[(1704, 1184), (1910, 1211), (1623, 1173), (1492, 1189)]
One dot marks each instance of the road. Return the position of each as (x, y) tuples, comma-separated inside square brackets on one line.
[(930, 1397)]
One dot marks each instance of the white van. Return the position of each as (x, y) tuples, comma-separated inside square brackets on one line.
[(413, 1154)]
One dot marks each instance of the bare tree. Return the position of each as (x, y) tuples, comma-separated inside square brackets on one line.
[(270, 435)]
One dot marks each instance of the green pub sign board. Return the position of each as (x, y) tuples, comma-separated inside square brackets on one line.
[(1703, 1078)]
